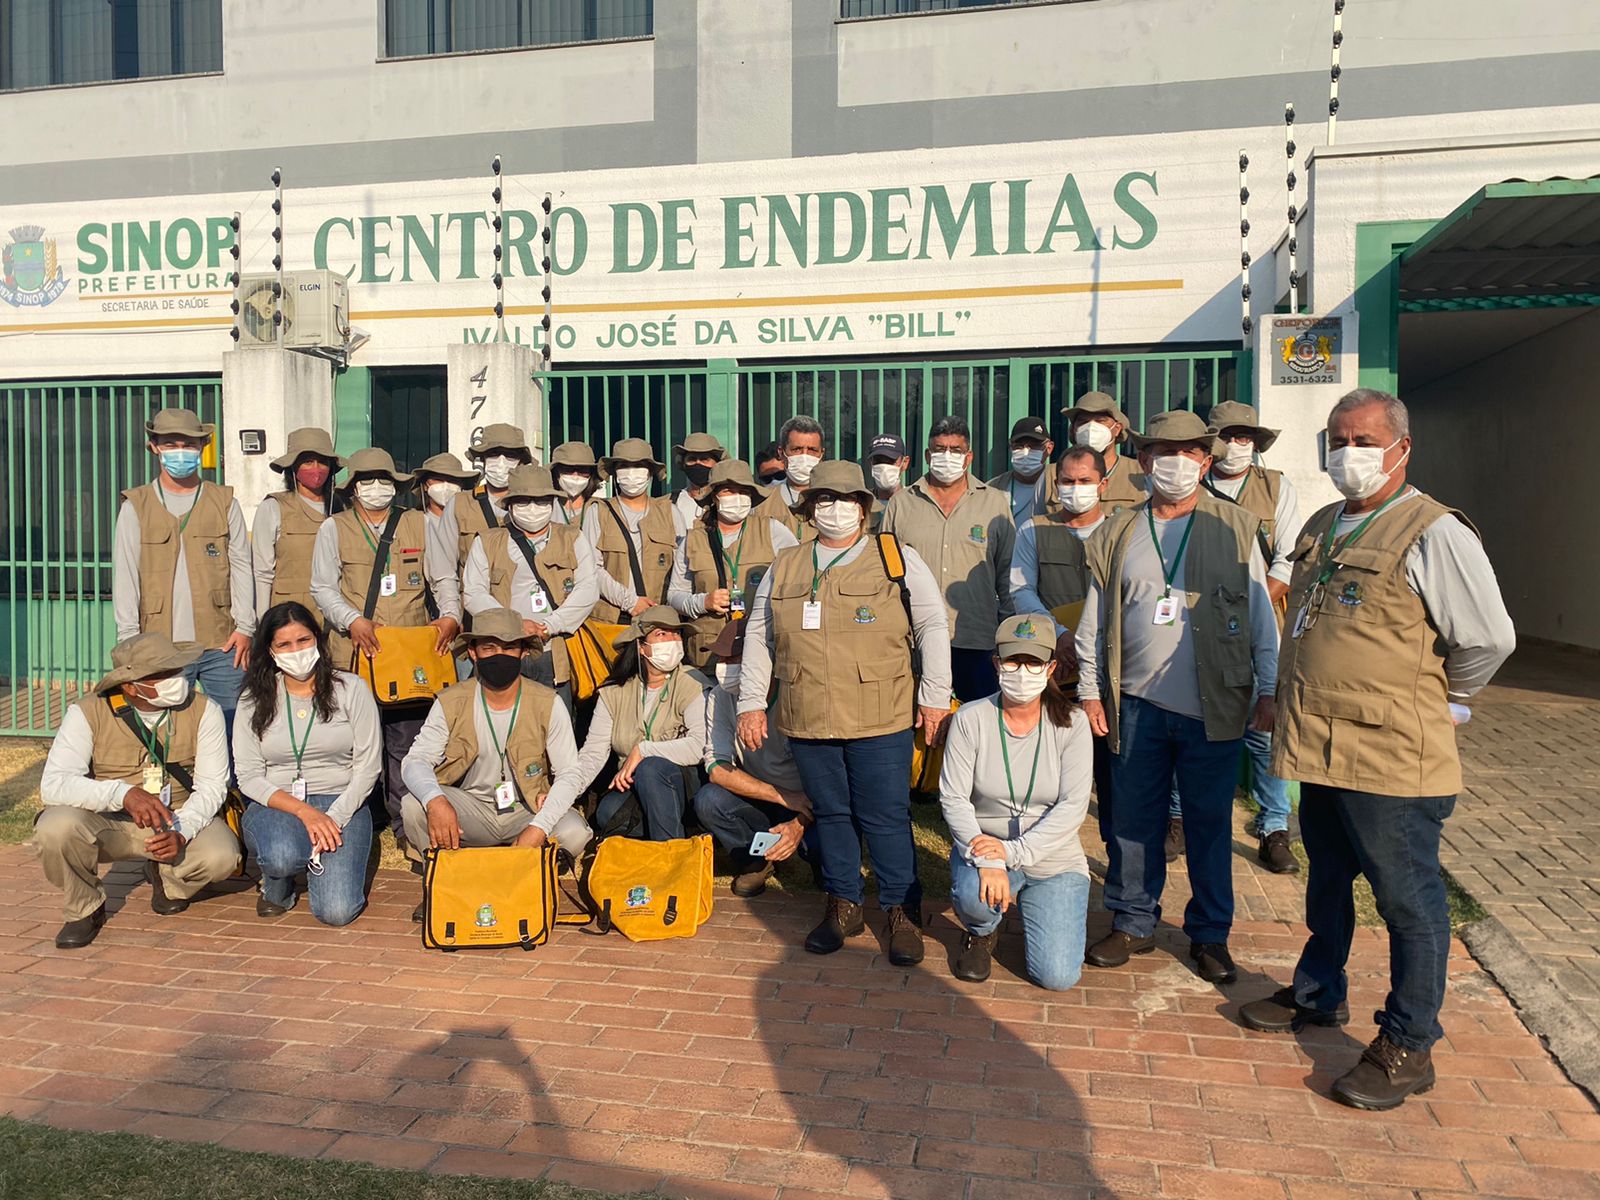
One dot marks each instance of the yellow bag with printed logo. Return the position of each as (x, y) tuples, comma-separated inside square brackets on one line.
[(651, 890), (488, 897)]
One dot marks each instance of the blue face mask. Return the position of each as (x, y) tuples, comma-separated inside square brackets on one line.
[(180, 464)]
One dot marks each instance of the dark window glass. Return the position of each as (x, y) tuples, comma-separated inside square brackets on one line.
[(45, 43), (899, 8), (457, 26), (408, 414)]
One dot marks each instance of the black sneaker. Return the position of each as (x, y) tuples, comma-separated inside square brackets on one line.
[(1276, 855), (841, 919), (75, 935), (1385, 1076), (1175, 843), (1116, 948), (1212, 962), (1279, 1013), (976, 956)]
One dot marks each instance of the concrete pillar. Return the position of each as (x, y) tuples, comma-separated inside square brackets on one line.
[(1288, 401), (271, 391), (492, 382)]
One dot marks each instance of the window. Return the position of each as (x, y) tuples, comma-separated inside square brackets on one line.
[(853, 9), (46, 43), (414, 27)]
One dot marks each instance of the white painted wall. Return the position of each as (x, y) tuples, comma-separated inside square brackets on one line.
[(746, 78)]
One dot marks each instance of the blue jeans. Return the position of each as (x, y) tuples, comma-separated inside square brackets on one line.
[(281, 845), (1270, 793), (662, 790), (862, 784), (1157, 745), (972, 674), (1054, 911), (732, 820), (221, 681), (1394, 842)]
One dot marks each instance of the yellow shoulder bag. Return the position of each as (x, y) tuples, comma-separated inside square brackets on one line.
[(490, 898), (651, 890)]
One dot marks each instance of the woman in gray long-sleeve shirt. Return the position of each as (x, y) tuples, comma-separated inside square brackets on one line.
[(1014, 789), (308, 751)]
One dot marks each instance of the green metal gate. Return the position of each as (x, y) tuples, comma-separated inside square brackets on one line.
[(745, 404), (68, 450)]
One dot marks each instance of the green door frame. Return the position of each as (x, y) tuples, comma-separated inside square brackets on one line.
[(1377, 297)]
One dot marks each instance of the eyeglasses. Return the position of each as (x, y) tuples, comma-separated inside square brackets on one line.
[(1033, 667)]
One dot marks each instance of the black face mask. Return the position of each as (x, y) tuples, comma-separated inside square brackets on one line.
[(699, 475), (499, 670)]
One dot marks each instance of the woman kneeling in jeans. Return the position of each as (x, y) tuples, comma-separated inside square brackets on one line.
[(1014, 789), (307, 749)]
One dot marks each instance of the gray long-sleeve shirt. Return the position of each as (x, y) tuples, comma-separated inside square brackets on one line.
[(1025, 567), (438, 568), (574, 608), (125, 572), (680, 591), (66, 779), (929, 625), (1039, 829), (343, 755), (484, 774), (1285, 520), (264, 532), (620, 591), (773, 763)]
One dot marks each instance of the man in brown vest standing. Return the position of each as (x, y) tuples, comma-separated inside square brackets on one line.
[(181, 565), (1395, 621), (1176, 636), (835, 620), (635, 534), (138, 770), (1099, 423)]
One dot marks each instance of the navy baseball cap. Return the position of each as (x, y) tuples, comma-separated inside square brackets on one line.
[(887, 445), (1030, 427)]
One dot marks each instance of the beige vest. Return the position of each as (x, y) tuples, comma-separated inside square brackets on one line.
[(408, 605), (754, 553), (1362, 698), (297, 538), (526, 756), (470, 521), (557, 566), (851, 678), (625, 704), (1216, 569), (774, 507), (658, 541), (205, 551), (118, 753), (1125, 487), (1063, 564), (1260, 495)]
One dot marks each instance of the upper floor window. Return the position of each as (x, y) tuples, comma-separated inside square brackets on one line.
[(46, 43), (849, 9), (413, 27)]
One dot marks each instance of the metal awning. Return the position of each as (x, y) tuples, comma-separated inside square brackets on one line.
[(1511, 240)]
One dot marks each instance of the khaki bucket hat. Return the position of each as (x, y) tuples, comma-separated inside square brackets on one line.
[(657, 616), (529, 482), (496, 624), (1231, 414), (307, 441), (144, 655), (574, 454), (836, 475), (1178, 426), (633, 450), (180, 421), (373, 461), (1096, 404), (499, 436), (733, 473), (446, 466), (700, 443)]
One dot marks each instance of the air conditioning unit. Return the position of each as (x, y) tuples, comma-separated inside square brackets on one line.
[(315, 304)]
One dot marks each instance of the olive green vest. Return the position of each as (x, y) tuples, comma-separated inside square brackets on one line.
[(1362, 698), (1259, 494), (526, 755), (118, 753), (557, 566), (297, 538), (1125, 487), (852, 677), (205, 553), (1063, 563), (409, 604), (1216, 569), (658, 542), (625, 703), (753, 551)]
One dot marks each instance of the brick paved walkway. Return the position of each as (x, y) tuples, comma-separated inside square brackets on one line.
[(735, 1065)]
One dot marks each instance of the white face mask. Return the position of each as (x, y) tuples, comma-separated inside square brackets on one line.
[(573, 484), (375, 494), (885, 476), (733, 507), (531, 515), (442, 493), (1078, 498), (1021, 686), (947, 466), (799, 467), (837, 518), (632, 481), (1093, 435), (1239, 456), (728, 677), (1175, 476), (297, 664), (1027, 462), (664, 656), (170, 692), (1357, 471), (497, 469)]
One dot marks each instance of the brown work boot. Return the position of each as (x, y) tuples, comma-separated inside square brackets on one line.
[(1276, 855), (753, 883), (161, 904), (1175, 844), (1116, 948), (1385, 1076), (905, 936), (976, 956), (841, 919), (1280, 1013)]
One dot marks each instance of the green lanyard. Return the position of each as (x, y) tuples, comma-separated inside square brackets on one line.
[(1325, 565), (149, 736), (184, 522), (1005, 753), (1183, 544), (299, 750), (817, 573), (733, 565), (488, 718), (366, 532), (650, 720)]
